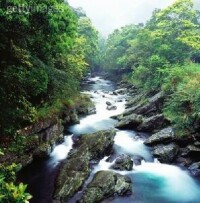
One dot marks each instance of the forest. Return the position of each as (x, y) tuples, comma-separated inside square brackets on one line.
[(47, 47)]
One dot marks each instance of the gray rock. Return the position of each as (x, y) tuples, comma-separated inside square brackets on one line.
[(106, 184), (129, 122), (137, 160), (74, 118), (120, 91), (76, 169), (193, 149), (131, 110), (195, 169), (194, 166), (108, 103), (153, 123), (135, 101), (166, 153), (152, 106), (183, 161), (120, 100), (111, 108), (197, 144), (162, 136), (91, 110), (123, 163)]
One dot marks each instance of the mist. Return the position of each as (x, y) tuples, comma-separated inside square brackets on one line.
[(108, 15)]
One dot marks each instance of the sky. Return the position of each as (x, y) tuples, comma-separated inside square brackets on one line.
[(108, 15)]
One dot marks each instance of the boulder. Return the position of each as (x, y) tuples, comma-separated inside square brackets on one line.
[(137, 160), (166, 153), (153, 123), (120, 91), (164, 136), (138, 99), (194, 166), (108, 103), (193, 149), (197, 144), (111, 108), (92, 110), (86, 106), (150, 107), (76, 168), (74, 119), (129, 122), (106, 184), (183, 161), (195, 169), (131, 110), (123, 163)]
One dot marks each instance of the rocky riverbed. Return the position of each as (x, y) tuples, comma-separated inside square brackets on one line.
[(143, 113), (109, 155)]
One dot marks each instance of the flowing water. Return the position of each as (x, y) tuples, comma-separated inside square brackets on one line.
[(153, 182)]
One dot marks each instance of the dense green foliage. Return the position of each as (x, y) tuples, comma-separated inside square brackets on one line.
[(44, 52), (183, 105), (45, 49), (9, 192), (160, 55)]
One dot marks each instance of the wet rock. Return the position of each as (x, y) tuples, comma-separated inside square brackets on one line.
[(135, 101), (108, 103), (137, 160), (150, 107), (194, 166), (197, 144), (76, 169), (142, 104), (120, 91), (193, 149), (42, 152), (183, 161), (120, 100), (166, 153), (184, 152), (106, 184), (123, 163), (129, 122), (92, 110), (131, 110), (195, 169), (74, 118), (153, 123), (163, 136), (86, 106), (110, 108)]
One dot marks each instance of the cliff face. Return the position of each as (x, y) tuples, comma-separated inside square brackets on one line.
[(40, 138)]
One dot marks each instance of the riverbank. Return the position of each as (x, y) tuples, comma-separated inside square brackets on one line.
[(144, 114), (74, 168)]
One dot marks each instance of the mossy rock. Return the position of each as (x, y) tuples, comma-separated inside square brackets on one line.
[(106, 184), (76, 169)]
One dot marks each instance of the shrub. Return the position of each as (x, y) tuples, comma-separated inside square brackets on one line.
[(183, 105), (9, 191)]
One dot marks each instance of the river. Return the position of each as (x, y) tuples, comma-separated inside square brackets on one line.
[(153, 182)]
